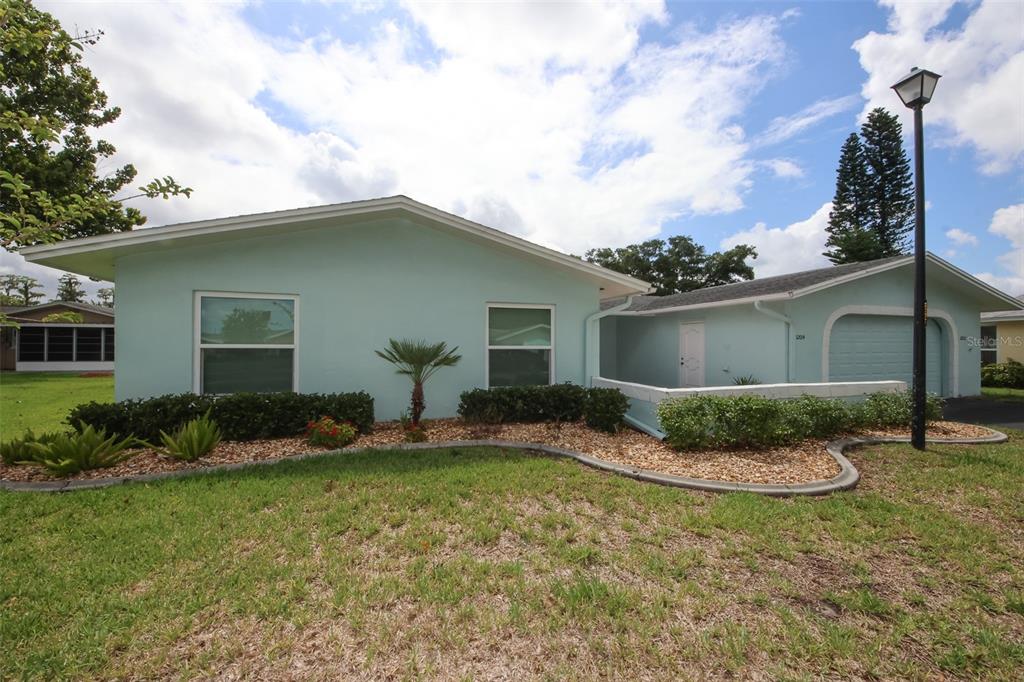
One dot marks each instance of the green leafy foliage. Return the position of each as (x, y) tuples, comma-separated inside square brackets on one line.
[(330, 433), (894, 409), (193, 440), (746, 380), (418, 360), (753, 421), (601, 408), (89, 448), (68, 316), (810, 417), (605, 409), (17, 451), (240, 416), (1009, 374), (678, 265), (54, 179)]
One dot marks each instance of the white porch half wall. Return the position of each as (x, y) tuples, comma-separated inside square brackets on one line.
[(849, 389)]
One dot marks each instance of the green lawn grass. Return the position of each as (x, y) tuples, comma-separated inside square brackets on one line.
[(41, 400), (483, 562), (1004, 393)]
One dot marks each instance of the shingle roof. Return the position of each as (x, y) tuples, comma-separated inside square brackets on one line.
[(765, 286)]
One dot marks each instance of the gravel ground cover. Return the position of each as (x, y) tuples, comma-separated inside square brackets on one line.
[(799, 463)]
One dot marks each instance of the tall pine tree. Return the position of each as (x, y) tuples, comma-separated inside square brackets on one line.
[(850, 238), (69, 288), (873, 208), (892, 185)]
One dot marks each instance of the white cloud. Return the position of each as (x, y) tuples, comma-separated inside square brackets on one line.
[(977, 102), (783, 128), (793, 248), (784, 168), (551, 121), (1009, 223), (958, 236)]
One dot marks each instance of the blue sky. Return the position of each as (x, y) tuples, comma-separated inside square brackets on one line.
[(575, 125)]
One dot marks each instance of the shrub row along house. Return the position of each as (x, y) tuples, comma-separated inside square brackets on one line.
[(299, 300), (45, 340)]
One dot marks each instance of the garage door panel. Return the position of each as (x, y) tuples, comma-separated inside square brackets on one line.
[(880, 348)]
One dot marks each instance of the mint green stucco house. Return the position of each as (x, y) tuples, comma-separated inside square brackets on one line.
[(300, 299)]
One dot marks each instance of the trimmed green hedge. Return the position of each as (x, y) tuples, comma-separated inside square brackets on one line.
[(600, 408), (754, 421), (240, 416), (1009, 374)]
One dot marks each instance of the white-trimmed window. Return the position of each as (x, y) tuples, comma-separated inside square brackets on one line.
[(520, 344), (245, 342)]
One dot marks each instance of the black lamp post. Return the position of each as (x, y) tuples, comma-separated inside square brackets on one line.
[(915, 89)]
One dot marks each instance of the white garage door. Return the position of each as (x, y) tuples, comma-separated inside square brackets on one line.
[(880, 347)]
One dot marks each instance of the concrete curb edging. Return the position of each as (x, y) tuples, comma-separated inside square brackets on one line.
[(846, 479)]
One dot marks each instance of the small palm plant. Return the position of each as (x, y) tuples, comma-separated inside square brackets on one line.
[(418, 360)]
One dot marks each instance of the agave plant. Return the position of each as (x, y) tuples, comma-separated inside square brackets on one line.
[(419, 361), (17, 451), (194, 439), (68, 454)]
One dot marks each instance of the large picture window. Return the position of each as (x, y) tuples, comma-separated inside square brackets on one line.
[(520, 345), (245, 342)]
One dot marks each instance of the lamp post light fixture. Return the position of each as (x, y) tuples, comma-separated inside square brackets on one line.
[(915, 90)]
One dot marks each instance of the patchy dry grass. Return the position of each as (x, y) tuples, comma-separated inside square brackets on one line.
[(486, 563)]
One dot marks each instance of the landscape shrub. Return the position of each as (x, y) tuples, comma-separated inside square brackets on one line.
[(1009, 374), (811, 417), (240, 416), (16, 451), (754, 421), (894, 409), (89, 448), (330, 433), (605, 409), (193, 440), (601, 408), (718, 421), (555, 403)]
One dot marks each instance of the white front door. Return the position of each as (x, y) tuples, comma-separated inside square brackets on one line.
[(691, 354)]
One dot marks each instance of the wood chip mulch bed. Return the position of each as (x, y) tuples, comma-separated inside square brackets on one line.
[(800, 463)]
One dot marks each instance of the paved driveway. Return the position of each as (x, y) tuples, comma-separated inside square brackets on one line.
[(990, 411)]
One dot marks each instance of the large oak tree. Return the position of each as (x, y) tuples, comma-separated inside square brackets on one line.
[(677, 265)]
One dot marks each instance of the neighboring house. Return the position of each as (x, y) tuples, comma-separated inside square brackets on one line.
[(38, 346), (1003, 336), (842, 323), (300, 299)]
